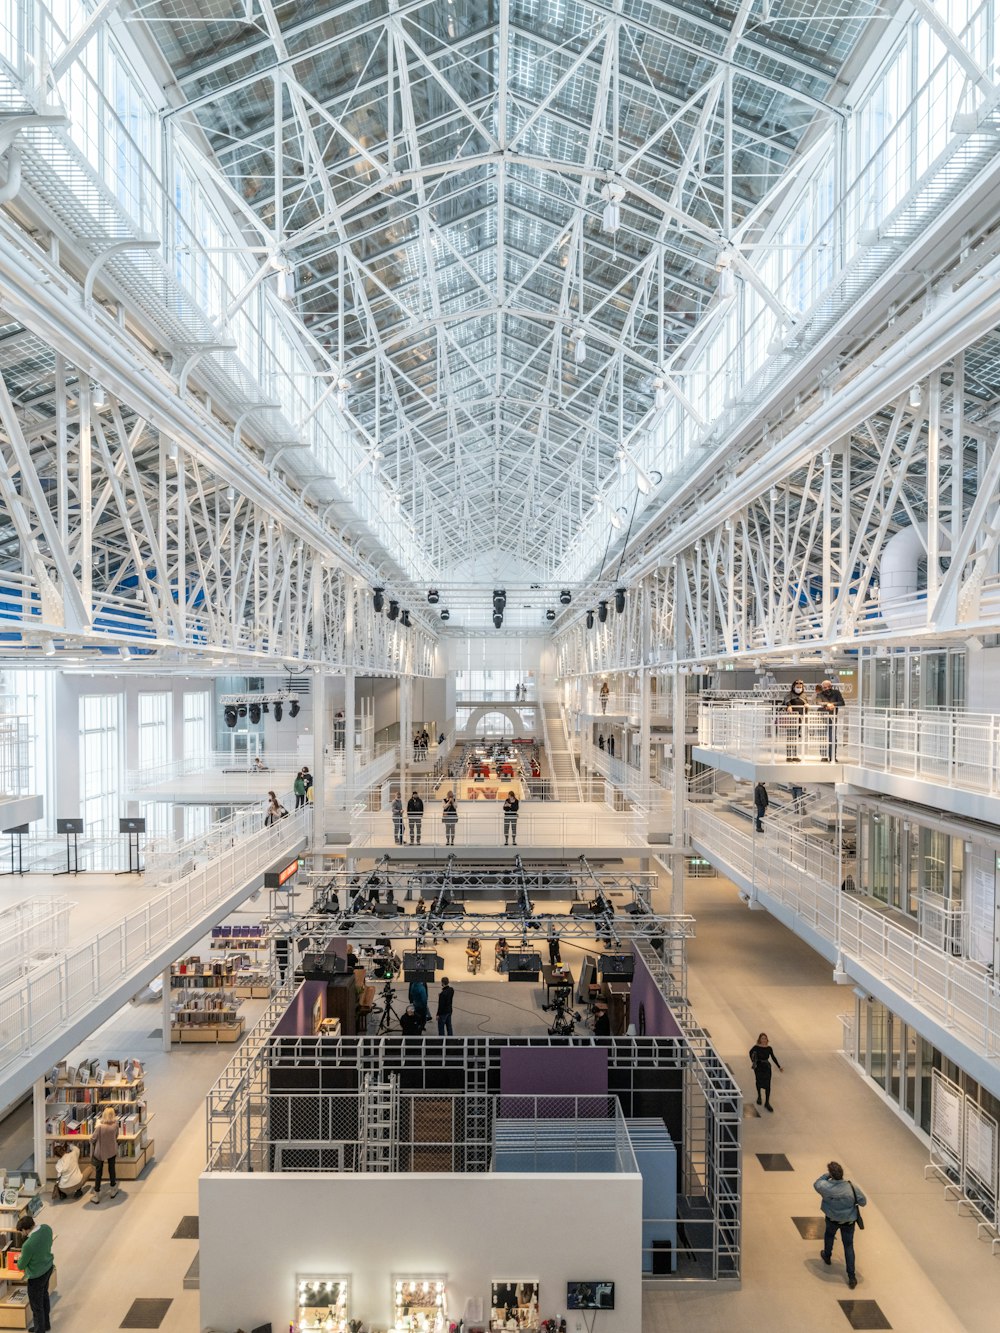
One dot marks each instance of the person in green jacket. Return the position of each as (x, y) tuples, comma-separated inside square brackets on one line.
[(299, 788), (36, 1264)]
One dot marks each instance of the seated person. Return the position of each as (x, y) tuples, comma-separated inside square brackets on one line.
[(71, 1173), (473, 948), (410, 1025), (602, 1020), (421, 907)]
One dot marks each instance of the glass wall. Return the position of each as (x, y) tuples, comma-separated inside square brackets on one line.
[(915, 678), (101, 762), (197, 738)]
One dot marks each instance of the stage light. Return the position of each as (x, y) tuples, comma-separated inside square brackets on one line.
[(242, 710), (550, 614), (404, 619), (499, 599), (433, 596), (265, 708), (590, 620), (565, 597), (602, 611), (255, 713), (378, 601), (230, 716), (293, 708), (497, 619), (446, 614), (619, 600), (277, 712), (393, 612)]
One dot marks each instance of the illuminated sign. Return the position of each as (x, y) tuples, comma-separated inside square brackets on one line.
[(274, 879)]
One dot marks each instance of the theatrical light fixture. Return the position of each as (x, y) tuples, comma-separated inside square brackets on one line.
[(565, 597), (255, 713), (378, 601), (550, 614), (433, 596), (602, 611), (293, 708), (499, 599), (446, 614), (230, 717), (590, 620), (404, 619), (393, 611), (497, 619), (277, 712), (619, 600), (242, 710)]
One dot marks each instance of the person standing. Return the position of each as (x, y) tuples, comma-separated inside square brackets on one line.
[(600, 741), (417, 996), (761, 801), (605, 692), (611, 746), (415, 816), (446, 1004), (841, 1206), (36, 1263), (299, 788), (831, 701), (397, 818), (307, 778), (71, 1173), (510, 808), (795, 706), (104, 1150), (275, 810), (761, 1055), (449, 817)]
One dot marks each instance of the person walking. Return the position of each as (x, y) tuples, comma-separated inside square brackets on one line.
[(449, 817), (842, 1204), (510, 808), (795, 706), (761, 1055), (299, 788), (71, 1173), (605, 692), (36, 1263), (417, 996), (446, 1005), (275, 810), (831, 701), (397, 818), (611, 746), (761, 801), (104, 1151), (600, 741), (415, 816)]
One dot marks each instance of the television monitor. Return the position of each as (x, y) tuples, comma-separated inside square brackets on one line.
[(590, 1295)]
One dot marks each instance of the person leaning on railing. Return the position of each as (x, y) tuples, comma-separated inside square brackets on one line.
[(795, 706)]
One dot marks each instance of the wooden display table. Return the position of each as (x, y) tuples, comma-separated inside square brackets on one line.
[(211, 1032), (19, 1316)]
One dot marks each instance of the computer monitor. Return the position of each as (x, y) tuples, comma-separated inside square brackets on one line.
[(590, 1295)]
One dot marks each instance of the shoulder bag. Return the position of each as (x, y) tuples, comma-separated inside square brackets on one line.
[(857, 1207)]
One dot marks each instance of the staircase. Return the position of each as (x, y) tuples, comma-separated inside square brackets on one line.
[(563, 769)]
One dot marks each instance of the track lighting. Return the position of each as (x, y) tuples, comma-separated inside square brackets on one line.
[(393, 612), (378, 601), (433, 596), (550, 614), (590, 620), (565, 597), (404, 619), (446, 614), (293, 708), (619, 600), (602, 611)]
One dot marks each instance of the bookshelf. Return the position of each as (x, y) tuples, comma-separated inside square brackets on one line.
[(237, 972), (25, 1190), (207, 1017), (75, 1099)]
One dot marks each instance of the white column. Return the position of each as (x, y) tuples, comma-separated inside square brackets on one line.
[(320, 739), (405, 728), (677, 857), (165, 1011), (38, 1125), (350, 767)]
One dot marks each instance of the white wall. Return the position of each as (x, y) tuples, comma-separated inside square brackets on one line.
[(258, 1231)]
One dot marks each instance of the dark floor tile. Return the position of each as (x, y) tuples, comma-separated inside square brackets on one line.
[(156, 1032), (774, 1161), (187, 1229), (146, 1313), (864, 1314), (811, 1228), (192, 1278)]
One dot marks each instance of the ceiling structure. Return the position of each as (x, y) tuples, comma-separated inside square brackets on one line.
[(502, 220)]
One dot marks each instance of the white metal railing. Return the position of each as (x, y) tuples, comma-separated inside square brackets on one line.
[(281, 765), (31, 932), (366, 776), (956, 992), (15, 763), (35, 1008), (506, 696), (165, 861), (539, 824), (619, 703), (763, 731)]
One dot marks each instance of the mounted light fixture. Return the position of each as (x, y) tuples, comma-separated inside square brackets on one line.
[(499, 599), (98, 397), (393, 612), (660, 395), (590, 620), (916, 395), (242, 710), (286, 285), (378, 601), (550, 614), (278, 712), (433, 596), (617, 517), (727, 284), (611, 219), (446, 614), (565, 597), (255, 713), (293, 708), (619, 600), (343, 389), (404, 619), (230, 717), (579, 347), (602, 611), (497, 619)]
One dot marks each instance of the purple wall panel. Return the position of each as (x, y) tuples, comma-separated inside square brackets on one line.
[(297, 1019), (572, 1072), (660, 1022)]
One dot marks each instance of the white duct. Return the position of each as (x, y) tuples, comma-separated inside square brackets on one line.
[(899, 582)]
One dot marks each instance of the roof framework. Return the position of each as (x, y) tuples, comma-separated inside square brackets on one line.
[(432, 172)]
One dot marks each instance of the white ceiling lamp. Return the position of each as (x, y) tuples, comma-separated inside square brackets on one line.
[(622, 458), (343, 389), (579, 347), (727, 284), (286, 285), (98, 397), (617, 517), (660, 392), (916, 396), (611, 219)]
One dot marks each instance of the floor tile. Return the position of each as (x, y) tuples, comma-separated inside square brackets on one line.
[(187, 1229), (811, 1228), (156, 1032), (192, 1278), (148, 1312), (864, 1314), (774, 1161)]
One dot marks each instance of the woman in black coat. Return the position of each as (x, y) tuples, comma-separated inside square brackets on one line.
[(761, 1055)]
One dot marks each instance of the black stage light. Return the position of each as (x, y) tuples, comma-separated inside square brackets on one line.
[(404, 619), (499, 599), (255, 713), (393, 610), (446, 614), (293, 708), (242, 710), (550, 614), (590, 620), (265, 708), (433, 596), (565, 597), (602, 611), (277, 711), (619, 600), (378, 601), (497, 619), (230, 716)]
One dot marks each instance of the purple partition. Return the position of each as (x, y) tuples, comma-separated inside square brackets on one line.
[(299, 1019), (576, 1071), (660, 1022)]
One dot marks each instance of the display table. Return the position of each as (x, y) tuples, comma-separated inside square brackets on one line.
[(14, 1314), (553, 979), (523, 966)]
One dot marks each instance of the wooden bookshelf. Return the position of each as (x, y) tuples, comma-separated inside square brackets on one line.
[(71, 1111), (15, 1313)]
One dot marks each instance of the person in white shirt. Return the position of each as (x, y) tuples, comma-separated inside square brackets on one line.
[(71, 1173)]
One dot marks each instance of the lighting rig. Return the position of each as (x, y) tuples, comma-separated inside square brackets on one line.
[(235, 706)]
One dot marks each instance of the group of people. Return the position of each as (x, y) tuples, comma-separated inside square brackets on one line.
[(421, 741), (609, 744), (842, 1200), (418, 1013), (302, 787), (828, 699), (412, 816), (520, 693)]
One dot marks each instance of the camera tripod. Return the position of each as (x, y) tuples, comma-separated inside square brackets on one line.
[(388, 1010), (565, 1019)]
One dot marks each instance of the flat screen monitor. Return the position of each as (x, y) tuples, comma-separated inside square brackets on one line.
[(590, 1295), (69, 825), (131, 825), (619, 966)]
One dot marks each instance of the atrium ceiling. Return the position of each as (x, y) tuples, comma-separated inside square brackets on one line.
[(434, 178)]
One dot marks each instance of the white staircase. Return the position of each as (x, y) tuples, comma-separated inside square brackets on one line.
[(561, 762)]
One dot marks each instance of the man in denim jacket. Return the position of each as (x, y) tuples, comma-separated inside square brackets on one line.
[(841, 1201)]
